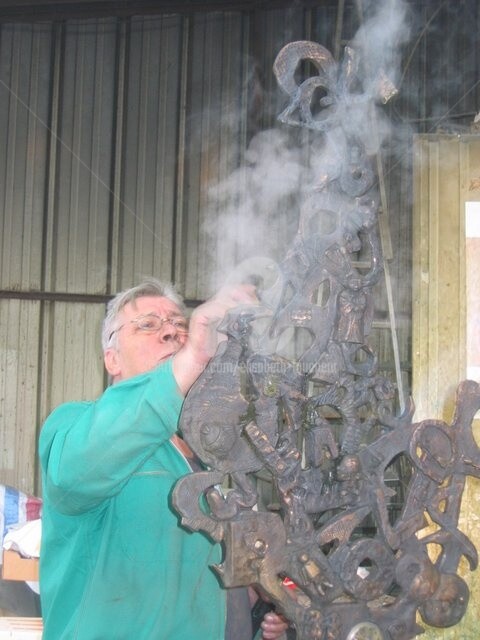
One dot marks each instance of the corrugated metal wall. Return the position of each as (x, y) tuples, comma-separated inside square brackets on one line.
[(113, 130)]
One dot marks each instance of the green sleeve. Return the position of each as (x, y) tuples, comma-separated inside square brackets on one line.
[(89, 450)]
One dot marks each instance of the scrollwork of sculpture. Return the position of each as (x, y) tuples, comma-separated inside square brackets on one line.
[(321, 425)]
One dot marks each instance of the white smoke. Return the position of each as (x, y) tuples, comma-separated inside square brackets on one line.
[(256, 207), (254, 202)]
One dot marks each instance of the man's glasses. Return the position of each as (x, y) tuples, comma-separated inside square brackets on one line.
[(151, 323)]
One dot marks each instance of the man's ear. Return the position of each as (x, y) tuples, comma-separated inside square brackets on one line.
[(112, 365)]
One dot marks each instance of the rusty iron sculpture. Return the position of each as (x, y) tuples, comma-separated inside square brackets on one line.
[(328, 551)]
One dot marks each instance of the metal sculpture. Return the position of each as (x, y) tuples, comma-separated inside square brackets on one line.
[(330, 554)]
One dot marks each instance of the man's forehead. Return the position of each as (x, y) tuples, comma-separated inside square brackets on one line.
[(152, 304)]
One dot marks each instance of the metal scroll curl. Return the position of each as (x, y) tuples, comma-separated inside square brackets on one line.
[(329, 551)]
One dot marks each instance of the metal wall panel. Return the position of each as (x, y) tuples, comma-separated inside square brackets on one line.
[(25, 53), (19, 329), (83, 137), (215, 128), (71, 363), (144, 245)]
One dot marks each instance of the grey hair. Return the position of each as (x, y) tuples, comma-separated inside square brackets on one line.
[(148, 287)]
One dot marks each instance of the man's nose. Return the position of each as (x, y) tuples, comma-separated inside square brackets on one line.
[(168, 332)]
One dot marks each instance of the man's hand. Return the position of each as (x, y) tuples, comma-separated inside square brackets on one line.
[(273, 626), (203, 337)]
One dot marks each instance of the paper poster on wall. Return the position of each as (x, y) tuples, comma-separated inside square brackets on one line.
[(472, 254)]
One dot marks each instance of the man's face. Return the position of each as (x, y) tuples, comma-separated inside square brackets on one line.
[(137, 349)]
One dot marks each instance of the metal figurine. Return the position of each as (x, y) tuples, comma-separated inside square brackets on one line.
[(331, 553)]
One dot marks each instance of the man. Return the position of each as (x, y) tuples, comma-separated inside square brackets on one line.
[(115, 564)]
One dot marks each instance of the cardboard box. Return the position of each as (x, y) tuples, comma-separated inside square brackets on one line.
[(15, 567)]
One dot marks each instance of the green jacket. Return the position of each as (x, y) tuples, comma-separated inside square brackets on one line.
[(114, 563)]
